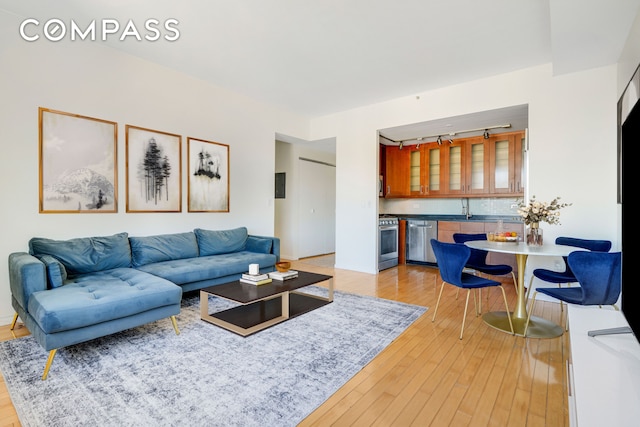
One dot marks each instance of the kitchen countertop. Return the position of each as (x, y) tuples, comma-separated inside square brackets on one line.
[(444, 217)]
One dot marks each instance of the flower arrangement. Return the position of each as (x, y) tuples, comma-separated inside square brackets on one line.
[(536, 211)]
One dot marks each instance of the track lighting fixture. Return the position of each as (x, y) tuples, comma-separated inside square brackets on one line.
[(400, 146), (484, 130)]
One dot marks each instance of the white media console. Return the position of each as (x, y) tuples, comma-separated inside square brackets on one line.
[(604, 371)]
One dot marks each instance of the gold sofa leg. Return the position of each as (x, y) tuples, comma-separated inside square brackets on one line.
[(52, 354), (175, 325), (13, 323)]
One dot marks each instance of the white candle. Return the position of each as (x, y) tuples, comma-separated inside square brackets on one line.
[(254, 268)]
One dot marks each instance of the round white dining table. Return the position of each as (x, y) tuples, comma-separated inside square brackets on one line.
[(538, 327)]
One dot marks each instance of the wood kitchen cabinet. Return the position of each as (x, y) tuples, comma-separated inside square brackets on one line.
[(418, 178), (446, 229), (453, 159), (397, 172), (466, 167), (477, 166), (506, 164)]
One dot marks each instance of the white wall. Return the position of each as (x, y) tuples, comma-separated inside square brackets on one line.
[(572, 134), (88, 79)]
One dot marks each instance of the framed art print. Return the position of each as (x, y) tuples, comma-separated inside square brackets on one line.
[(78, 171), (154, 182), (208, 179)]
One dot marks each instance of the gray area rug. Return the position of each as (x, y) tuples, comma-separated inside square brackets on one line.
[(206, 376)]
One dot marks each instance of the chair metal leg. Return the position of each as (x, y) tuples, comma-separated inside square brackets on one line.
[(515, 281), (175, 325), (464, 316), (526, 295), (533, 303), (13, 323), (506, 306), (52, 354), (438, 302)]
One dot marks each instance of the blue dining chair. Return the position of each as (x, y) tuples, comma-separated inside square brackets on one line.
[(451, 259), (567, 276), (599, 276), (478, 259)]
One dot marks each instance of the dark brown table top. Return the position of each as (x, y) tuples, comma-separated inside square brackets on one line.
[(245, 293)]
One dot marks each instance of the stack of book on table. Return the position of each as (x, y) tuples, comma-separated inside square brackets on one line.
[(283, 275), (255, 279)]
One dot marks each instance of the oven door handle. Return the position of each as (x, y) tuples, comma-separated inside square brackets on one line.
[(388, 227)]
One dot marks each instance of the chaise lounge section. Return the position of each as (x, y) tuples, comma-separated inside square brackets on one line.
[(72, 291)]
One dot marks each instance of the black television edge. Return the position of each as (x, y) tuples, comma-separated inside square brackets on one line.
[(628, 135)]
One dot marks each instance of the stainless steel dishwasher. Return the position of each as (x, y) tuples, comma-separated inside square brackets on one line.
[(419, 235)]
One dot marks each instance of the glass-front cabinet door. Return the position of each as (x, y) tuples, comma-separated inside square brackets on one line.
[(454, 158), (505, 163), (477, 166), (433, 157), (417, 185)]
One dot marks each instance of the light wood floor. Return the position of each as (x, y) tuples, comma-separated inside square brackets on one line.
[(427, 376)]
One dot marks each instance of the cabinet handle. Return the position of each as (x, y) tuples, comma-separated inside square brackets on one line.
[(388, 189)]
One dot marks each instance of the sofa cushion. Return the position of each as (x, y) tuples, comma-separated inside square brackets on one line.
[(214, 242), (259, 244), (182, 271), (86, 254), (56, 273), (93, 298), (162, 247)]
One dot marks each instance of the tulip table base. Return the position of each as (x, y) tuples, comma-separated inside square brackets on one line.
[(538, 327)]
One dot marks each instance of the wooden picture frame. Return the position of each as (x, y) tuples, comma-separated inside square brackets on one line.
[(77, 163), (154, 170), (208, 176)]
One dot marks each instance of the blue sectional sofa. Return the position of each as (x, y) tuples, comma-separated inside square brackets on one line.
[(71, 291)]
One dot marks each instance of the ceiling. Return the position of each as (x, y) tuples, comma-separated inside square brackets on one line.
[(322, 57)]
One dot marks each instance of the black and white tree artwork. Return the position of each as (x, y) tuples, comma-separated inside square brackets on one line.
[(153, 160)]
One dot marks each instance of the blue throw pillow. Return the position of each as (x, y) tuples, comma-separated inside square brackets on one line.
[(56, 273), (259, 244), (87, 254), (163, 247), (214, 242)]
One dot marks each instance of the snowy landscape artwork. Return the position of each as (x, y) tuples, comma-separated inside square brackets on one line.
[(153, 171), (208, 186), (77, 163)]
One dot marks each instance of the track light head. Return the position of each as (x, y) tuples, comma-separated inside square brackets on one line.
[(450, 139), (486, 134), (439, 140), (400, 146)]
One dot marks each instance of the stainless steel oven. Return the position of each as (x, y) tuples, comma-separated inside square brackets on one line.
[(387, 242)]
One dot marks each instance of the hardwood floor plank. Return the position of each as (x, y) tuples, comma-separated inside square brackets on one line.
[(427, 376)]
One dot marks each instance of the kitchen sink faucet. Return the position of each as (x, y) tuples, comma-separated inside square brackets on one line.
[(465, 209)]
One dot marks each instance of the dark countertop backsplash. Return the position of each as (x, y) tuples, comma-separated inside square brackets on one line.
[(442, 217)]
